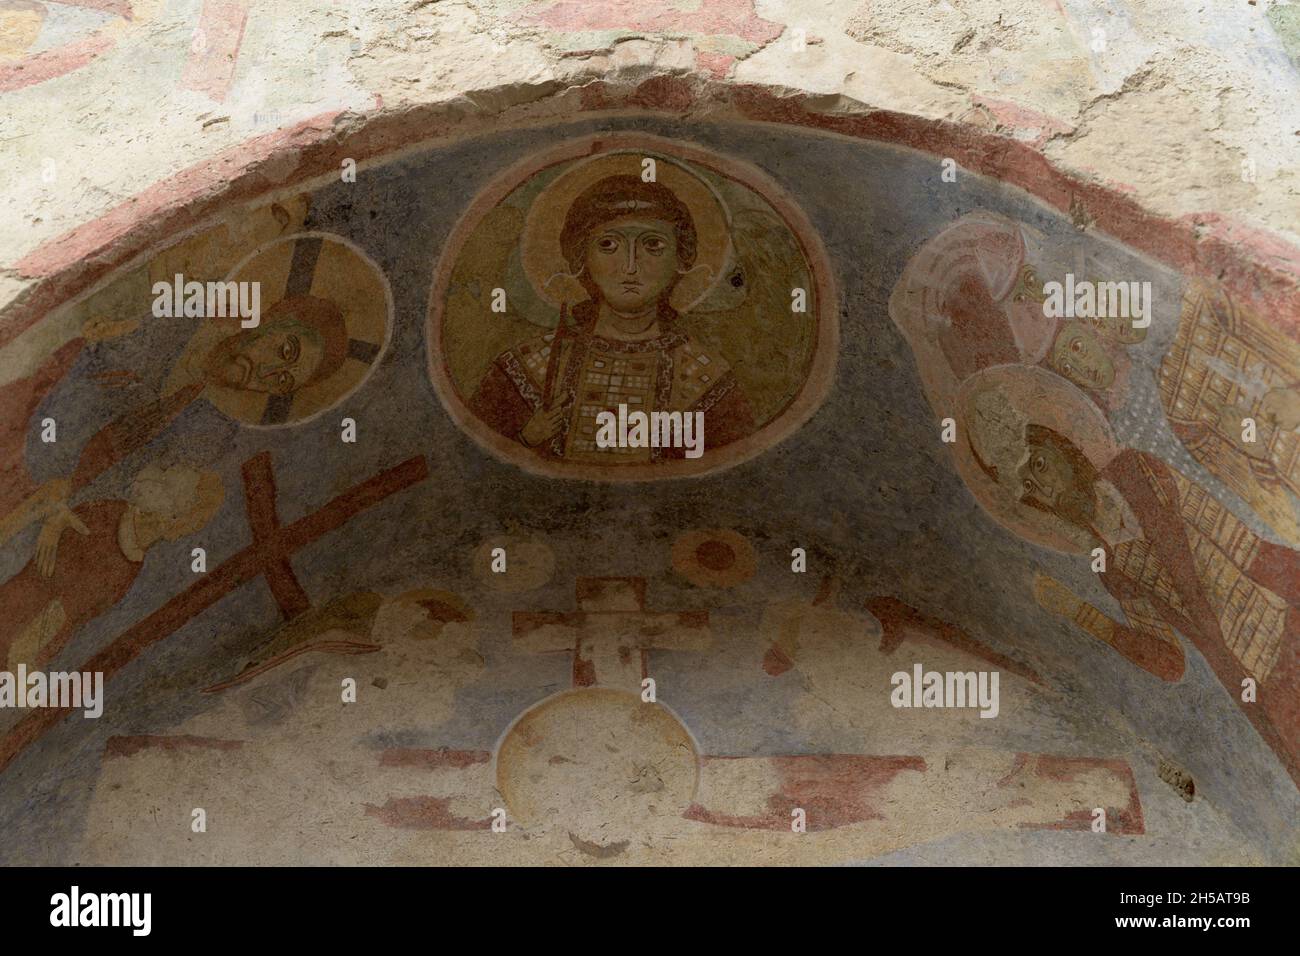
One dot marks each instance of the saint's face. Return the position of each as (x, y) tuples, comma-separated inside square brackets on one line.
[(1045, 475), (1077, 354), (632, 261), (1117, 329), (277, 358)]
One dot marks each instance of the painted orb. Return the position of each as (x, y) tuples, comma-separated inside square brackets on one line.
[(599, 763)]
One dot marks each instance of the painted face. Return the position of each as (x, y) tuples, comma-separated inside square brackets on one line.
[(632, 261), (1045, 475), (1028, 287), (278, 358), (1077, 354), (1117, 329)]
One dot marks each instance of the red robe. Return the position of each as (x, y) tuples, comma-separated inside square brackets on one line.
[(679, 376), (124, 435), (91, 575), (1180, 598), (18, 403)]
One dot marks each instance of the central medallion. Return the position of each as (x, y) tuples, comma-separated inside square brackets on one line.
[(634, 280)]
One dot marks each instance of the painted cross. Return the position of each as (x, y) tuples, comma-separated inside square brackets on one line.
[(611, 633), (267, 556), (609, 636), (861, 803), (259, 498)]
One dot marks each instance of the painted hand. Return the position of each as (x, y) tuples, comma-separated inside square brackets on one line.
[(45, 501), (47, 542), (543, 425)]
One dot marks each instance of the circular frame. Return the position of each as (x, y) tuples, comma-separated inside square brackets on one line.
[(816, 384)]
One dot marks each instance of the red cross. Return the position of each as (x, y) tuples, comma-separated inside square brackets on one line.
[(259, 496), (267, 556)]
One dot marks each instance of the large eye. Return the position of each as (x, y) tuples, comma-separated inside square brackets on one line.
[(607, 244), (289, 350), (1028, 486), (1040, 463), (655, 245), (1076, 345)]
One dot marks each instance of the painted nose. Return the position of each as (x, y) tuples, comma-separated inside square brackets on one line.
[(270, 370)]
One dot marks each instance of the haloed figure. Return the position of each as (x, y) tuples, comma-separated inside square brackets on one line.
[(628, 242), (1078, 354), (300, 340), (1176, 560)]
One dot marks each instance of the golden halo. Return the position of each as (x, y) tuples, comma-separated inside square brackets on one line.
[(714, 558), (993, 407), (323, 266), (539, 245)]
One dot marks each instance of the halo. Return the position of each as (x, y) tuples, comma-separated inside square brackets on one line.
[(981, 243), (539, 244), (993, 407), (518, 184), (323, 266)]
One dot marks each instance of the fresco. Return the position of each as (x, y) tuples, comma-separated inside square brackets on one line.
[(430, 601), (326, 323), (1032, 396), (42, 40), (591, 280)]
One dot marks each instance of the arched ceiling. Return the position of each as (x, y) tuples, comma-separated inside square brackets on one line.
[(911, 464)]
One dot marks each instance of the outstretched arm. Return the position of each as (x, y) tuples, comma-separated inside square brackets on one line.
[(1147, 640)]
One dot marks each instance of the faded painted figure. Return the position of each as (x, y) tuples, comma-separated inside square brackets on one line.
[(1176, 560), (628, 243), (623, 277), (88, 557), (971, 298)]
